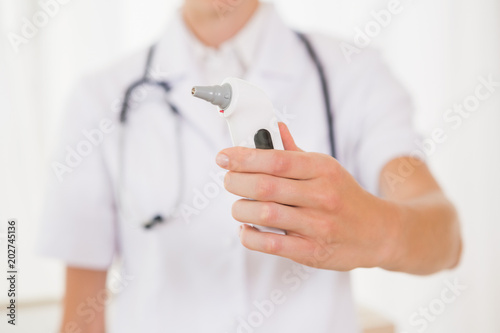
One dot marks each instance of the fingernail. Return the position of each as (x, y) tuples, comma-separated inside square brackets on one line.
[(222, 160)]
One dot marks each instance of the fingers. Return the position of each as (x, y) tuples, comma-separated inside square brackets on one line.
[(280, 163), (292, 247), (286, 137), (269, 188), (290, 163), (270, 214)]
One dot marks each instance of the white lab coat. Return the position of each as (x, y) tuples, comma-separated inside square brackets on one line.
[(191, 274)]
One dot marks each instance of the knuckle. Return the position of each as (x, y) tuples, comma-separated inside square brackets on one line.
[(332, 170), (329, 231), (280, 164), (323, 226), (321, 223), (328, 200), (322, 198), (268, 213), (264, 188), (329, 166), (247, 156), (273, 245)]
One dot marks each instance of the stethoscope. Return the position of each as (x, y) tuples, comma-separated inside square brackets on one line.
[(147, 80)]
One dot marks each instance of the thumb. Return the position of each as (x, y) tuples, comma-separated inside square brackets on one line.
[(286, 137)]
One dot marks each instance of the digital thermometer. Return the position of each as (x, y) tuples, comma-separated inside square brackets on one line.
[(249, 114)]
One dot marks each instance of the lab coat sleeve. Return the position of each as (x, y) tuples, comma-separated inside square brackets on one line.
[(79, 221), (385, 121)]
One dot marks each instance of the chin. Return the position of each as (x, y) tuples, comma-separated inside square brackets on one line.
[(202, 4)]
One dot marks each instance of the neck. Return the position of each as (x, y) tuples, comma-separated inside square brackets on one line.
[(213, 25)]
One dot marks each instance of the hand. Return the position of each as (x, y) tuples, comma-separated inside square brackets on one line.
[(331, 221)]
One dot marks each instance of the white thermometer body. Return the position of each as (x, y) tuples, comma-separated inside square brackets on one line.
[(250, 117)]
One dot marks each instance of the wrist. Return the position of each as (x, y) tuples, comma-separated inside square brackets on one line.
[(395, 245)]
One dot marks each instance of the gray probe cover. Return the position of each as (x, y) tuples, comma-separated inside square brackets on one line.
[(217, 95)]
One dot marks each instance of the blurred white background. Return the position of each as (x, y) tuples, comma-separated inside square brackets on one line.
[(438, 49)]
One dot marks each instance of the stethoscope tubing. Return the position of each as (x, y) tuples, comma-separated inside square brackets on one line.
[(146, 79)]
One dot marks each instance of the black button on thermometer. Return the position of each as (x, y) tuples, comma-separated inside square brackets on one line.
[(263, 140), (249, 114)]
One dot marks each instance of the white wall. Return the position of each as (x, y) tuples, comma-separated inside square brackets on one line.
[(437, 48)]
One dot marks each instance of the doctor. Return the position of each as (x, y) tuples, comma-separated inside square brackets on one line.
[(374, 205)]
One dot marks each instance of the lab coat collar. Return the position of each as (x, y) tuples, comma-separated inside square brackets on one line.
[(244, 45), (173, 55), (276, 56)]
